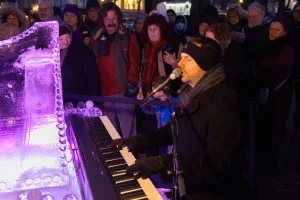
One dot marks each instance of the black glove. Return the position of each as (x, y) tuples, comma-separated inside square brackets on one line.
[(147, 166), (132, 90), (136, 144)]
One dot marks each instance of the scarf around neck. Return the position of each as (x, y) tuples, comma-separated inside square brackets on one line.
[(211, 78), (150, 64)]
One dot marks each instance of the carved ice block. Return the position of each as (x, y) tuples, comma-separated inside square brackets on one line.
[(35, 157)]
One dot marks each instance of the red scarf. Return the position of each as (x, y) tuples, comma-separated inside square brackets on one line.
[(149, 69)]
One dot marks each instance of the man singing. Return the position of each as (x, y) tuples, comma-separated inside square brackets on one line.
[(208, 128)]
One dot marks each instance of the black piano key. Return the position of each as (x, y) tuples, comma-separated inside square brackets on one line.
[(118, 172), (99, 133), (102, 144), (108, 149), (127, 183), (103, 138), (122, 177), (117, 168), (130, 187), (116, 162), (132, 195), (112, 155)]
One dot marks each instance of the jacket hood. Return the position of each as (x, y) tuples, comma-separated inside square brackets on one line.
[(180, 18), (4, 12)]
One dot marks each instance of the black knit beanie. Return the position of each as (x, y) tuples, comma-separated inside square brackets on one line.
[(64, 30), (92, 4), (206, 52)]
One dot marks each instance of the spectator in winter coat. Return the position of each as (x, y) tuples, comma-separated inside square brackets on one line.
[(14, 16), (274, 65), (92, 20), (118, 77), (153, 65), (73, 18), (78, 69)]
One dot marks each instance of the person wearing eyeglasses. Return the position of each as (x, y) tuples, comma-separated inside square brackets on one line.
[(257, 36), (45, 10), (237, 22)]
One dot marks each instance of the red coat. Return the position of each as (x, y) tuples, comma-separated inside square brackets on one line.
[(134, 59)]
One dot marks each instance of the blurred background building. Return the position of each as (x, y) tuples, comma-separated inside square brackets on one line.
[(132, 8)]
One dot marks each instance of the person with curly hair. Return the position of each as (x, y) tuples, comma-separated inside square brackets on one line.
[(15, 17), (233, 57), (221, 33), (237, 21), (156, 43)]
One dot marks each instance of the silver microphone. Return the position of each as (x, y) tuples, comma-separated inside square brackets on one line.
[(176, 73)]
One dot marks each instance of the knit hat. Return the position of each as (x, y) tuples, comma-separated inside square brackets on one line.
[(71, 9), (92, 4), (64, 30), (206, 52)]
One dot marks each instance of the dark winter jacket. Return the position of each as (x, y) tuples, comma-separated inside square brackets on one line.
[(275, 62), (79, 71), (295, 76), (256, 38), (208, 134)]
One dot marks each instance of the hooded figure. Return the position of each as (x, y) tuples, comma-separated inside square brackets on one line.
[(161, 9), (180, 25), (15, 16), (92, 19)]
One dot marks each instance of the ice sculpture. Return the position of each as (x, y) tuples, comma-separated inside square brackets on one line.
[(35, 157), (86, 109)]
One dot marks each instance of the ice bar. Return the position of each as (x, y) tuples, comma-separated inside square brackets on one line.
[(35, 156)]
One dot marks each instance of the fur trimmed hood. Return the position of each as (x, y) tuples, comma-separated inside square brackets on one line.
[(4, 12)]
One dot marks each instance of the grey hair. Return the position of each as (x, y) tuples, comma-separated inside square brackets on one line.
[(257, 5), (48, 2)]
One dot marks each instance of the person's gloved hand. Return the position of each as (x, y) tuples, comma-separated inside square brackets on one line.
[(136, 144), (145, 167), (132, 90)]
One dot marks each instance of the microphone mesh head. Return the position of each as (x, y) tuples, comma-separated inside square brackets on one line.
[(176, 73)]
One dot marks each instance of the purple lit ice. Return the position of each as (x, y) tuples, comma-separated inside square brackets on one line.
[(32, 127)]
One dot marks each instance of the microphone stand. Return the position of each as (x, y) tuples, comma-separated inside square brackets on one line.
[(178, 180)]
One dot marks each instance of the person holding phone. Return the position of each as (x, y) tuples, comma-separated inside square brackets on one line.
[(237, 21), (156, 45)]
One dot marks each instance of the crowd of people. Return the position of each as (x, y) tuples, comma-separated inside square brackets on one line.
[(224, 65)]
